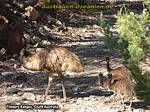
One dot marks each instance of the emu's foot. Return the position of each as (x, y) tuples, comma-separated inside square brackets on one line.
[(64, 100), (130, 109)]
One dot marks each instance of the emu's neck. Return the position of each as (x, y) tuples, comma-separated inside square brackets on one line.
[(108, 66)]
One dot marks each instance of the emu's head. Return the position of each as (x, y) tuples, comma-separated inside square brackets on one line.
[(33, 60), (109, 75), (107, 59), (104, 82), (24, 55)]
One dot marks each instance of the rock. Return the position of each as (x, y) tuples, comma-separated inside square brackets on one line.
[(31, 13), (2, 51), (44, 30), (92, 96), (44, 42), (99, 34), (86, 98), (79, 100), (16, 97), (12, 90), (7, 73), (37, 39), (27, 36), (53, 21), (96, 26), (29, 96), (73, 21), (72, 101)]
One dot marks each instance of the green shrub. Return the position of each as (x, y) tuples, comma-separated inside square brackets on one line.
[(131, 27), (142, 87)]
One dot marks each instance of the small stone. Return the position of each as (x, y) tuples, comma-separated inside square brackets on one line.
[(27, 36), (92, 96), (46, 42), (79, 99), (99, 33), (16, 97), (86, 98), (96, 26)]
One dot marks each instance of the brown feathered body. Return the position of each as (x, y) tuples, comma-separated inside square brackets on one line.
[(121, 71), (57, 60), (105, 81), (122, 87)]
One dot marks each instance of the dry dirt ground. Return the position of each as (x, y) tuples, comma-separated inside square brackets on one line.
[(85, 94), (19, 86)]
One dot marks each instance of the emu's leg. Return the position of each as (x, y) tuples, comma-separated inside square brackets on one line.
[(46, 91), (63, 87), (122, 103), (114, 97), (48, 87), (130, 106)]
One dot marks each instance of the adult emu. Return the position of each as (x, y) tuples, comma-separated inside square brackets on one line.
[(55, 60)]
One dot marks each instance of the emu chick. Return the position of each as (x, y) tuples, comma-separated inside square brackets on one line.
[(104, 82), (121, 71), (122, 87)]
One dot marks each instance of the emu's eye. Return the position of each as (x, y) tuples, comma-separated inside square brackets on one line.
[(31, 9), (42, 1)]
